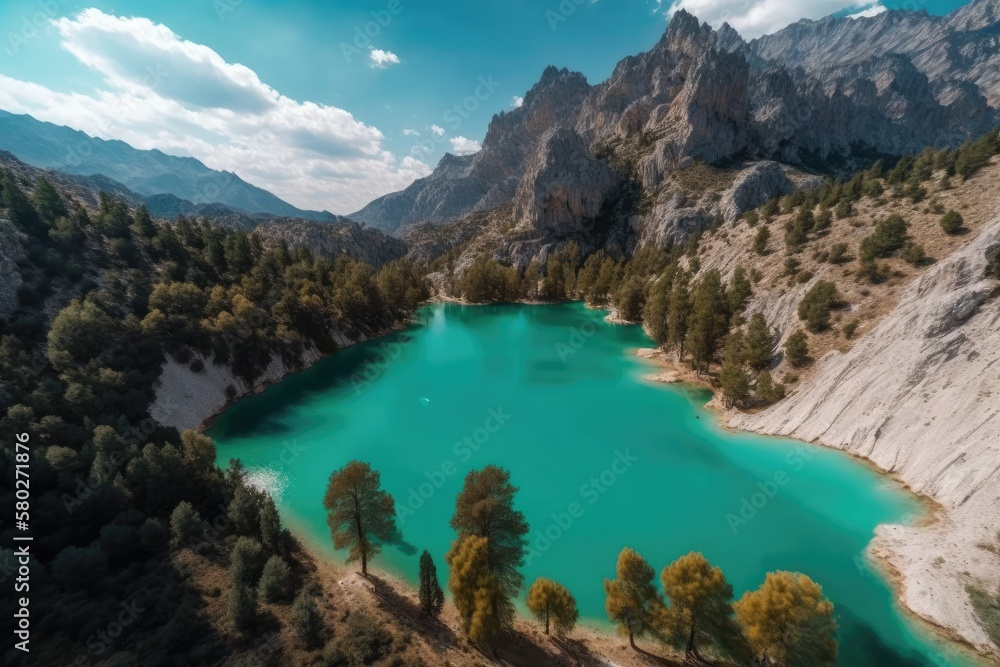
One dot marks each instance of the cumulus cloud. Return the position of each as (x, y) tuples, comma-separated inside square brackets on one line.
[(410, 133), (870, 12), (382, 59), (753, 18), (161, 91), (516, 102), (437, 130), (463, 146)]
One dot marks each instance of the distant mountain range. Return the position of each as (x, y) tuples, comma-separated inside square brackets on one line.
[(827, 96), (176, 185)]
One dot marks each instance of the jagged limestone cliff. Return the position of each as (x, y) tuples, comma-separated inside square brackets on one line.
[(919, 396)]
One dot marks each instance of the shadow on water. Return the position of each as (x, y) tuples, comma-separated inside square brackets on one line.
[(860, 644), (345, 372), (397, 540)]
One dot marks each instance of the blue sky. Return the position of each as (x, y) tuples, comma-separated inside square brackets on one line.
[(327, 104)]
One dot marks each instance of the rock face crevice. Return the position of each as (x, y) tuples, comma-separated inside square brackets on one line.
[(563, 184), (919, 396)]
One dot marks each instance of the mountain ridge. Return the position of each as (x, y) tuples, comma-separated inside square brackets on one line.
[(708, 95), (145, 172)]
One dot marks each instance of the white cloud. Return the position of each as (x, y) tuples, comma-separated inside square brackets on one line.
[(753, 18), (437, 130), (870, 12), (410, 133), (163, 92), (382, 59), (516, 102), (463, 146)]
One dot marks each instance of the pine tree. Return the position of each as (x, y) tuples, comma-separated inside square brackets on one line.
[(655, 314), (760, 343), (709, 320), (241, 608), (185, 524), (699, 609), (48, 203), (768, 390), (952, 222), (733, 376), (246, 561), (761, 240), (430, 593), (360, 514), (738, 291), (551, 602), (484, 561), (797, 349), (270, 527), (484, 610), (788, 621), (816, 304), (485, 508), (275, 581), (680, 313), (306, 620), (631, 599)]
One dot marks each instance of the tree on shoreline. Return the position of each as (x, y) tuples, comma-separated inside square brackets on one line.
[(360, 514), (484, 610), (550, 601), (485, 558), (699, 609), (430, 593), (632, 600), (788, 621)]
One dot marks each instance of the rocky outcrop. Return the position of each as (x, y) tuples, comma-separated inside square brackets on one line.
[(186, 399), (332, 240), (670, 221), (918, 397), (563, 185), (461, 185), (11, 252), (755, 187)]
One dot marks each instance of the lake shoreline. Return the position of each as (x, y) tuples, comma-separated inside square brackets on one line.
[(680, 376), (879, 554)]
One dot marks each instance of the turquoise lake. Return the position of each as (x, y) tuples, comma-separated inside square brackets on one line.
[(603, 459)]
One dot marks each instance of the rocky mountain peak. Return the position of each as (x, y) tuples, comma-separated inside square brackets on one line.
[(727, 39), (976, 15), (808, 96), (686, 34)]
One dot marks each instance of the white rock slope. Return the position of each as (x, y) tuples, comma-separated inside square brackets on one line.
[(920, 397)]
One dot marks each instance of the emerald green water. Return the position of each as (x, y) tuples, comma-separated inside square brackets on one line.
[(603, 459)]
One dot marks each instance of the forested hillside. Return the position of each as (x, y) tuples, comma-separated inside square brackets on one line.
[(105, 294)]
